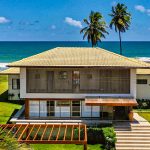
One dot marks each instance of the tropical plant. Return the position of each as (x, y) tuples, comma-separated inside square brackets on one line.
[(95, 28), (109, 137), (121, 20), (7, 142)]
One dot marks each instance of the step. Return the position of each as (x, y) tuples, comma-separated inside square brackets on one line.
[(124, 126), (135, 145), (140, 125), (140, 128), (124, 129), (133, 142), (133, 148), (131, 135), (134, 132), (134, 138)]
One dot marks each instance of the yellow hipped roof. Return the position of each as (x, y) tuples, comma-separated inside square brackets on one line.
[(10, 71), (143, 71), (78, 57)]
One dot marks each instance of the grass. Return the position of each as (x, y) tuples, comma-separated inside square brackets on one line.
[(3, 83), (6, 109), (141, 110), (145, 115), (3, 86), (64, 147)]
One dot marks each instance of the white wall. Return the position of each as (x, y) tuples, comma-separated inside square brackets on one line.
[(13, 91), (143, 90), (73, 95)]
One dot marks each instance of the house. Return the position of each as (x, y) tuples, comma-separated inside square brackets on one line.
[(13, 82), (78, 83), (143, 84)]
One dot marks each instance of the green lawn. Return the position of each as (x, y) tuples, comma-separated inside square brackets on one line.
[(64, 147), (145, 115), (6, 109), (3, 85)]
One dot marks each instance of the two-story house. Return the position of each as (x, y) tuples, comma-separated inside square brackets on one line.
[(78, 83)]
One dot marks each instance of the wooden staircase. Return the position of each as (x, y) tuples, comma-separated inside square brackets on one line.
[(132, 137)]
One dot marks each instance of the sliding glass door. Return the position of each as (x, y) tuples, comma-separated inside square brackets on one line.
[(75, 109)]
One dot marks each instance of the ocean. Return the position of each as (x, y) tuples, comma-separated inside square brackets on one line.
[(12, 51)]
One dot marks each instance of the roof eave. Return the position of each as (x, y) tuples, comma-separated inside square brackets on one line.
[(81, 66)]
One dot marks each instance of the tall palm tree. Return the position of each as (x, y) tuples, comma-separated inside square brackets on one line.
[(121, 20), (95, 29)]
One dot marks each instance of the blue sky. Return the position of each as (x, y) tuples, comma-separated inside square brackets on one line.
[(61, 20)]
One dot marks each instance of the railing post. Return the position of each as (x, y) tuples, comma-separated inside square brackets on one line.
[(26, 109), (85, 147)]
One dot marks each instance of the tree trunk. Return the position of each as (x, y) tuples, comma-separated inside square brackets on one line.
[(92, 40), (120, 43)]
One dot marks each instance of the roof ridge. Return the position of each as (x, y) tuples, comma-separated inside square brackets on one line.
[(127, 58)]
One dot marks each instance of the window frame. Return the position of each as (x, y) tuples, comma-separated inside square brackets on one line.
[(141, 81), (17, 84)]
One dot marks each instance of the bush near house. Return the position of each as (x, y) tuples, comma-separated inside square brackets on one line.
[(7, 142), (109, 137), (143, 104)]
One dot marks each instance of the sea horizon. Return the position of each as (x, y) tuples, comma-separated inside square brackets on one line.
[(15, 50)]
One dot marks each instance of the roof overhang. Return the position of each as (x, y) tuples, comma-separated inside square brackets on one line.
[(110, 101), (11, 71)]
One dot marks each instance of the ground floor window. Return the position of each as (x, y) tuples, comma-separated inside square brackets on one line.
[(62, 108), (76, 108), (50, 108)]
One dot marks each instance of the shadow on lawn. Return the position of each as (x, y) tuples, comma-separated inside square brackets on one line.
[(4, 96)]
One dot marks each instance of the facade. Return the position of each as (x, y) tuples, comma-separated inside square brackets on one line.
[(78, 83), (143, 84), (13, 83)]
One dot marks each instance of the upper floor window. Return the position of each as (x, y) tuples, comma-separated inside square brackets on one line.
[(141, 81), (15, 84), (63, 75)]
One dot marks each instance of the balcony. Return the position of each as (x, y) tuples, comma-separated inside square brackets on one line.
[(83, 81)]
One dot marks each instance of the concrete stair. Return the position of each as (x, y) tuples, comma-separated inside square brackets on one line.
[(134, 137)]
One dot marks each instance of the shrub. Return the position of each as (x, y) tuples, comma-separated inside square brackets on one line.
[(9, 143), (109, 137), (143, 104), (94, 135)]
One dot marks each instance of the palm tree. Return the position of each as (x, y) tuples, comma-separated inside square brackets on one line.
[(120, 20), (95, 29)]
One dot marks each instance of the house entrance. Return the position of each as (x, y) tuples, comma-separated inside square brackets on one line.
[(120, 113)]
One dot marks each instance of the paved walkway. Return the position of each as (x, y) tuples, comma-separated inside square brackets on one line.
[(140, 120)]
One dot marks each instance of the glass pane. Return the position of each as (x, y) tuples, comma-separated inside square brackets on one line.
[(34, 108)]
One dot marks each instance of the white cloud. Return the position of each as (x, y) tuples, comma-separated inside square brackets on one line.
[(140, 8), (4, 20), (53, 27), (73, 22)]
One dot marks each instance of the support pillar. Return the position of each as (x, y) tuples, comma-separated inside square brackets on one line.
[(131, 114)]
